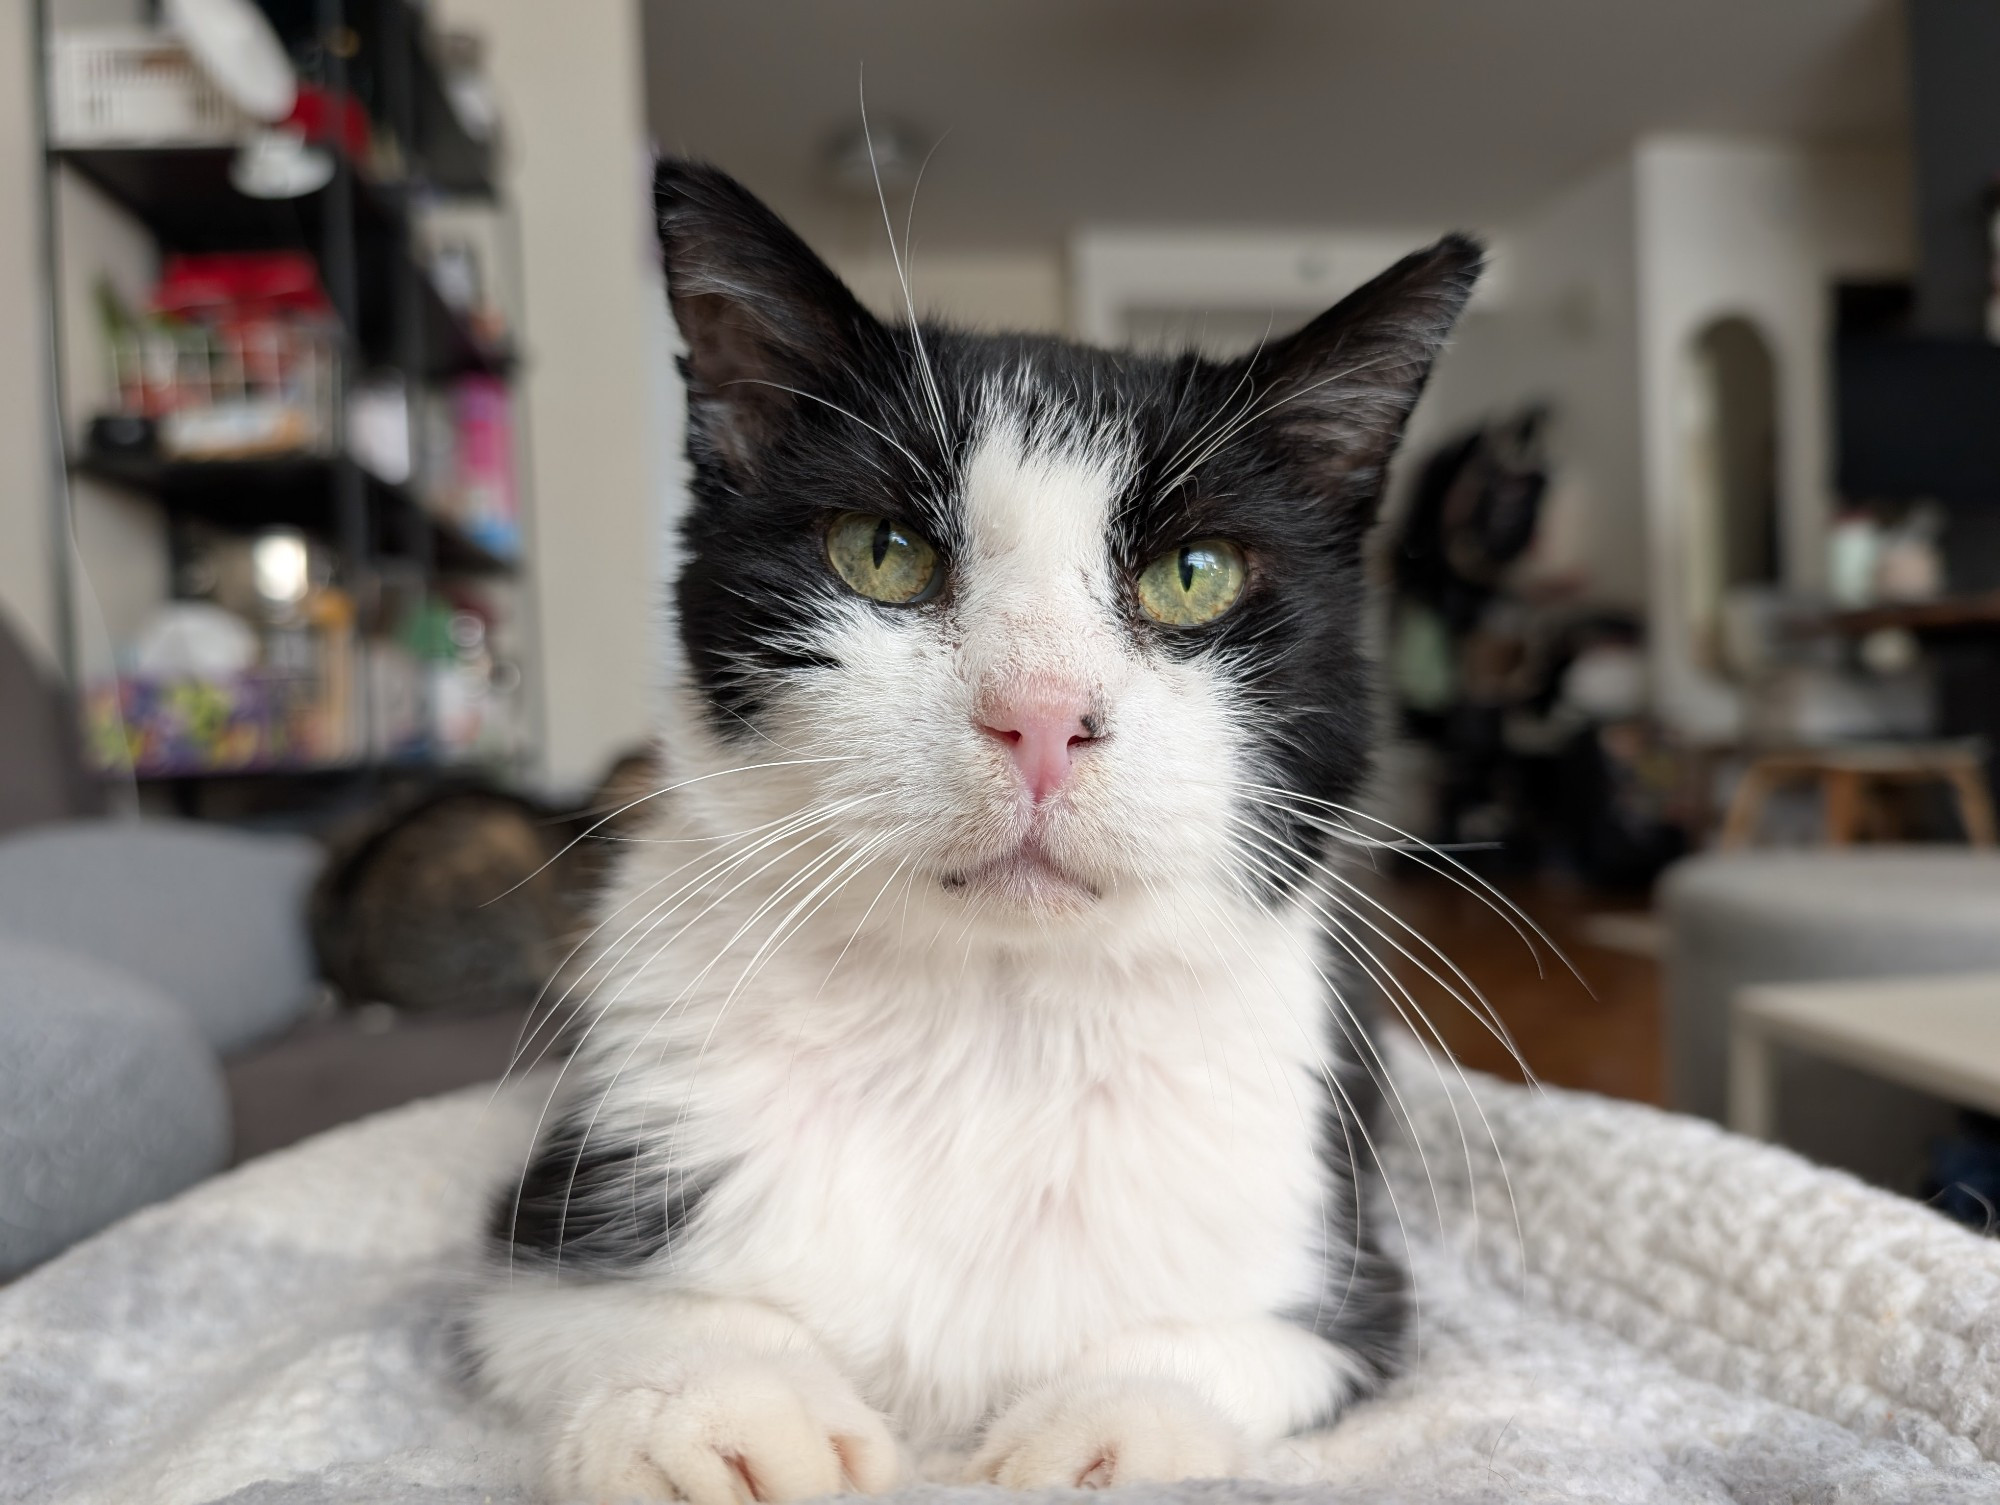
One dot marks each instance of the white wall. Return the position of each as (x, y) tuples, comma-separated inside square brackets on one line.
[(27, 584), (1560, 326), (1605, 287), (995, 291), (118, 547), (1761, 230), (1122, 272), (117, 553), (1227, 290), (571, 93)]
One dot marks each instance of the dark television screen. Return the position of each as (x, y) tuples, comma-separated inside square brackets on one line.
[(1919, 418)]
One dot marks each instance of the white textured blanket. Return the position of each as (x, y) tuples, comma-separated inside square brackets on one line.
[(1661, 1313)]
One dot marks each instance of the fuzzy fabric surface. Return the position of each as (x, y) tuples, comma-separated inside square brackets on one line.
[(1615, 1305)]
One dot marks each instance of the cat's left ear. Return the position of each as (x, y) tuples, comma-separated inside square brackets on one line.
[(765, 320), (1340, 390)]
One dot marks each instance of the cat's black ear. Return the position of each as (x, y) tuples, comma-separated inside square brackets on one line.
[(763, 316), (1340, 390)]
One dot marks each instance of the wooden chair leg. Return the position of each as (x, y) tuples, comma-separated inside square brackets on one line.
[(1884, 811), (1746, 808), (1975, 806), (1840, 792)]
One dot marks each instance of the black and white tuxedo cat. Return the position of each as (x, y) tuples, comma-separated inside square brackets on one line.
[(967, 1067)]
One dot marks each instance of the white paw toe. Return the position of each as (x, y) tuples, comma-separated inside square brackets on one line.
[(749, 1431), (1094, 1434)]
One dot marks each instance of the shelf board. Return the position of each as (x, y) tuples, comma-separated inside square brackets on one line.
[(264, 772), (1952, 614), (183, 195), (459, 553), (278, 772), (290, 491)]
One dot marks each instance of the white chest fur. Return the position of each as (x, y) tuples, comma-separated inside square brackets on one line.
[(959, 1180)]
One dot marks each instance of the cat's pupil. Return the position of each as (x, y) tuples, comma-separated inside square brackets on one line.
[(1187, 569), (885, 534)]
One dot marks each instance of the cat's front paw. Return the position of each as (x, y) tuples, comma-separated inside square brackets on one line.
[(724, 1433), (1092, 1434)]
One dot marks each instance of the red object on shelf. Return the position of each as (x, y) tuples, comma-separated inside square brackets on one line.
[(235, 285), (338, 119)]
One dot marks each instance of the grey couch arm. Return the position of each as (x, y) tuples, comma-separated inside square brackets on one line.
[(109, 1099), (213, 918)]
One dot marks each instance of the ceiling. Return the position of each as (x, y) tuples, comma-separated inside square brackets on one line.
[(1054, 113)]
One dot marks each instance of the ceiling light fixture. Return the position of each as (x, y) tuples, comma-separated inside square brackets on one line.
[(899, 152)]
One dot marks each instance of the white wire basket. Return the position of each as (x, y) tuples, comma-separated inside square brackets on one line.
[(262, 388), (128, 86)]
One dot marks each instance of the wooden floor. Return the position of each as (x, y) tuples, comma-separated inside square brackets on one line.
[(1603, 1037), (360, 1061)]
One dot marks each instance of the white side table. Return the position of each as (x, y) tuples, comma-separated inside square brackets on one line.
[(1939, 1035)]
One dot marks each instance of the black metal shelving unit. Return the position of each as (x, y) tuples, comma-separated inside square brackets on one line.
[(360, 231), (305, 492), (183, 195)]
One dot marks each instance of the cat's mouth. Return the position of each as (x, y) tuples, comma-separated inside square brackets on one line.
[(1026, 876)]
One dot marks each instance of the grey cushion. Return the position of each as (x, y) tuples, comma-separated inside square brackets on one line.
[(213, 918), (1738, 918), (109, 1099)]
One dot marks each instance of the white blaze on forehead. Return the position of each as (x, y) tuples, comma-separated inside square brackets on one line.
[(1037, 516)]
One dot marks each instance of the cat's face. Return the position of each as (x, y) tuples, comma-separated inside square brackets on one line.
[(1035, 634)]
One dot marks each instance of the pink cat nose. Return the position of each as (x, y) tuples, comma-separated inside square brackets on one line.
[(1043, 726)]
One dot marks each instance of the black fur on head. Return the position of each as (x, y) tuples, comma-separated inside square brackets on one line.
[(803, 405)]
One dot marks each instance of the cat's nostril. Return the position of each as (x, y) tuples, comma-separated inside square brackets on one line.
[(1042, 730)]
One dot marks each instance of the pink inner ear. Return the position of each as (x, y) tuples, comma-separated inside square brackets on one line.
[(760, 312), (729, 375)]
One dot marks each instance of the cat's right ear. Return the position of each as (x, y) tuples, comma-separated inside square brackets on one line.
[(763, 317)]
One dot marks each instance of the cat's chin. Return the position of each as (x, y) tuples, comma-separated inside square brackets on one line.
[(1027, 879)]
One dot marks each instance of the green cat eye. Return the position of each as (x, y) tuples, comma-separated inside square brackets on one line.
[(882, 560), (1193, 583)]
